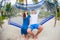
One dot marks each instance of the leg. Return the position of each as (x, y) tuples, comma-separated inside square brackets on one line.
[(26, 37), (30, 32), (40, 28)]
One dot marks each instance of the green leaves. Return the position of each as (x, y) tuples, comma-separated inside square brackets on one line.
[(35, 1), (8, 7), (1, 20), (21, 1)]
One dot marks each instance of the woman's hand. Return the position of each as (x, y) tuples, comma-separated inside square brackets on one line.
[(21, 14)]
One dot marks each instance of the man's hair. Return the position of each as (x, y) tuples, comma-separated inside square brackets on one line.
[(33, 10)]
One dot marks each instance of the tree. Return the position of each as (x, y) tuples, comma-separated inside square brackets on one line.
[(1, 6), (35, 1), (21, 1), (56, 13), (49, 6), (8, 9), (1, 21), (17, 0)]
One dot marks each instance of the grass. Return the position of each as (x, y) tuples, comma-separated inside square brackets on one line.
[(2, 17), (1, 20)]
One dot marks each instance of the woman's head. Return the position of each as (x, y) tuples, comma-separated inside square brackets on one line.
[(25, 14)]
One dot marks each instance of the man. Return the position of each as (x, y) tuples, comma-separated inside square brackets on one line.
[(34, 24)]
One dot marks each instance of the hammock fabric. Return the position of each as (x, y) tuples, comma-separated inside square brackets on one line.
[(41, 23), (29, 6)]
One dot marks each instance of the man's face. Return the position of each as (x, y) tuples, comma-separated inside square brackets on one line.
[(33, 12)]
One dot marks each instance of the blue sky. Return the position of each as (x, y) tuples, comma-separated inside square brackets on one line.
[(0, 0), (59, 2)]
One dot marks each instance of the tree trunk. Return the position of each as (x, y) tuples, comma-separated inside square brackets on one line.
[(35, 1), (21, 1), (0, 24), (56, 5)]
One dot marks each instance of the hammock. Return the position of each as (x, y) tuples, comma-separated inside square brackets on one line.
[(29, 6), (41, 23)]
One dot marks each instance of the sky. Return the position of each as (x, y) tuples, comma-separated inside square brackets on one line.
[(0, 0), (29, 1), (12, 1), (59, 2)]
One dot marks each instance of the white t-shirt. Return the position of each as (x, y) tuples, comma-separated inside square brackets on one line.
[(34, 18)]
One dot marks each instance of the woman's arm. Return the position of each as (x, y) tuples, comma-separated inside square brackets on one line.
[(29, 21), (21, 14)]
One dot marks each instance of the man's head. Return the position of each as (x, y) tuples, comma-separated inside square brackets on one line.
[(33, 12)]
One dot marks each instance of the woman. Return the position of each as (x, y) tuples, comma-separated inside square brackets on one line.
[(25, 24)]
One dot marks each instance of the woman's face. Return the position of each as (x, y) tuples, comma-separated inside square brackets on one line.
[(26, 12)]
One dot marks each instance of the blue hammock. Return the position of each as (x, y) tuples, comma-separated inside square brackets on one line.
[(30, 6), (41, 23)]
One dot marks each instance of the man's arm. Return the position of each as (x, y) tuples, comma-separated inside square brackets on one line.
[(37, 12)]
